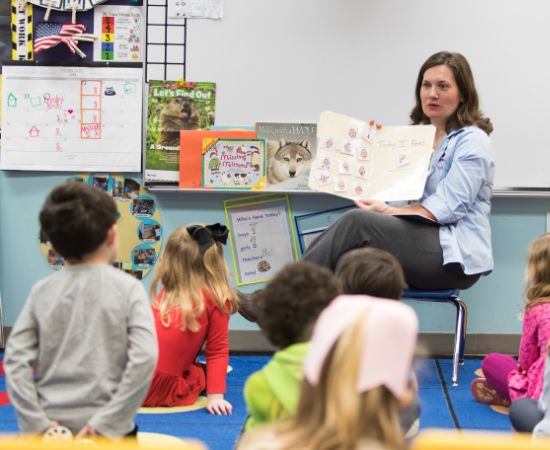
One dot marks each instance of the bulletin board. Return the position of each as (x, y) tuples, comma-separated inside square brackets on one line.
[(140, 230), (71, 118)]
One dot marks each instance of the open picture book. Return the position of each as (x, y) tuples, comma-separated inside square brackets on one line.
[(357, 160)]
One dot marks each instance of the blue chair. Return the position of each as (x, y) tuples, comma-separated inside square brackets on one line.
[(447, 296)]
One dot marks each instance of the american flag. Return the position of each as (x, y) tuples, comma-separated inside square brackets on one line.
[(49, 34)]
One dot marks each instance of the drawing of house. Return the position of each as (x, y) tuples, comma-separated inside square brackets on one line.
[(34, 132), (12, 100)]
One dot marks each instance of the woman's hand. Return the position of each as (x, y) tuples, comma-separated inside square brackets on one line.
[(217, 405), (373, 205)]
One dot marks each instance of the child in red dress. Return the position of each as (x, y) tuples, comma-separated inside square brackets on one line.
[(193, 307)]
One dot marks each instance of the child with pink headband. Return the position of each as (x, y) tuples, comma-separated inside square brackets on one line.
[(356, 378)]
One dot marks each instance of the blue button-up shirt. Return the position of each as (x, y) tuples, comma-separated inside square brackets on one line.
[(458, 193)]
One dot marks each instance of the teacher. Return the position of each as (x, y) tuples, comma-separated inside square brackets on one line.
[(455, 251)]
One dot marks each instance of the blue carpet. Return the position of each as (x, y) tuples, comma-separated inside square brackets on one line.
[(221, 432), (469, 413)]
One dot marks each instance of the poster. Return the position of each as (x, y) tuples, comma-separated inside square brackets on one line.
[(71, 118), (261, 236), (139, 224), (119, 32), (356, 160), (195, 9)]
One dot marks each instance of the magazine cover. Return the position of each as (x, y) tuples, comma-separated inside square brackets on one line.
[(174, 106), (290, 149), (233, 163)]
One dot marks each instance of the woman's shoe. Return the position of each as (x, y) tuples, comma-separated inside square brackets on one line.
[(484, 393), (249, 306)]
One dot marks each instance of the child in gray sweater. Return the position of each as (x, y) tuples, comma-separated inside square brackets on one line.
[(87, 330)]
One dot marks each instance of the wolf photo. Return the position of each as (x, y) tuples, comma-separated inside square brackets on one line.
[(290, 151), (174, 106)]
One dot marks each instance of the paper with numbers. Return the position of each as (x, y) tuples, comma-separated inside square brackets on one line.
[(356, 160), (71, 118)]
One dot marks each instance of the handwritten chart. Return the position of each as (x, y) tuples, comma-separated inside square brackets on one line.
[(262, 236), (71, 118)]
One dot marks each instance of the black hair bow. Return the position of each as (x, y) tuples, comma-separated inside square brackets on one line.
[(208, 235)]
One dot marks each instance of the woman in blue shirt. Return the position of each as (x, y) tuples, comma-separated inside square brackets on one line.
[(455, 251)]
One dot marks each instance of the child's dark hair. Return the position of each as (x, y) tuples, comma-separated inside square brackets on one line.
[(292, 301), (76, 218), (370, 271)]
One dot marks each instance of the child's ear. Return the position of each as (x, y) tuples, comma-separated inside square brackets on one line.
[(112, 235)]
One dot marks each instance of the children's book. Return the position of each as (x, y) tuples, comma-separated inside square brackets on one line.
[(290, 149), (191, 153), (355, 160), (233, 163), (174, 106)]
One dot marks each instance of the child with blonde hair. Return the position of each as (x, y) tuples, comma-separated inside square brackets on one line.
[(193, 307), (506, 379), (355, 380)]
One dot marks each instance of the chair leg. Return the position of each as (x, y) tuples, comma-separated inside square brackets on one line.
[(460, 337)]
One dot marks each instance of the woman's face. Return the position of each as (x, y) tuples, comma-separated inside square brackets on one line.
[(439, 95)]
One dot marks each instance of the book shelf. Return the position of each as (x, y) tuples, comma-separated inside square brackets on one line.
[(497, 193)]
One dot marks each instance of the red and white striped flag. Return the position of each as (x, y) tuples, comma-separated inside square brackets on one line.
[(49, 34)]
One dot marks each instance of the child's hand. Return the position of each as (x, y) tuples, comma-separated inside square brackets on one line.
[(217, 405), (87, 432)]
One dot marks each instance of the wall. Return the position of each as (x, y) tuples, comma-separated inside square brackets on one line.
[(493, 302)]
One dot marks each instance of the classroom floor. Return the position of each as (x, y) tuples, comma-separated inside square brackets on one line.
[(443, 406)]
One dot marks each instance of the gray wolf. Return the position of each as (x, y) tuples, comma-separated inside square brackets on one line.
[(287, 160)]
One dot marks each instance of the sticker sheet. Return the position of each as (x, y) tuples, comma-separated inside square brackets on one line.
[(356, 160)]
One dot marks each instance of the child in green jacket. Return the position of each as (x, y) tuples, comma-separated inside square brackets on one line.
[(288, 308)]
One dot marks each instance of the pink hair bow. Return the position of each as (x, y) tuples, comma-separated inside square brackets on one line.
[(389, 340)]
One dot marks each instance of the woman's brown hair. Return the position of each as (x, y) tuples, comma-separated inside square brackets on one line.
[(468, 112)]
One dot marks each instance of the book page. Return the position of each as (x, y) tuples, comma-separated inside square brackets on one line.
[(355, 160)]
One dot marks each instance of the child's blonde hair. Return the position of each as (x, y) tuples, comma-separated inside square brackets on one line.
[(537, 274), (187, 275), (333, 415)]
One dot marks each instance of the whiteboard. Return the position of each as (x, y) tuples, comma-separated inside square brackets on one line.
[(288, 60), (71, 118)]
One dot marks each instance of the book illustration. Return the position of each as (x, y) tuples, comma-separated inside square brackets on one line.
[(356, 160), (174, 106), (190, 175), (290, 151), (233, 163)]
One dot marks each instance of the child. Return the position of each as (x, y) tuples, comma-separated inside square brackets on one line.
[(192, 308), (504, 378), (87, 329), (355, 377), (529, 416), (375, 272), (288, 308), (370, 271)]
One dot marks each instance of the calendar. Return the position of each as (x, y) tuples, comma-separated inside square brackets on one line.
[(71, 118)]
